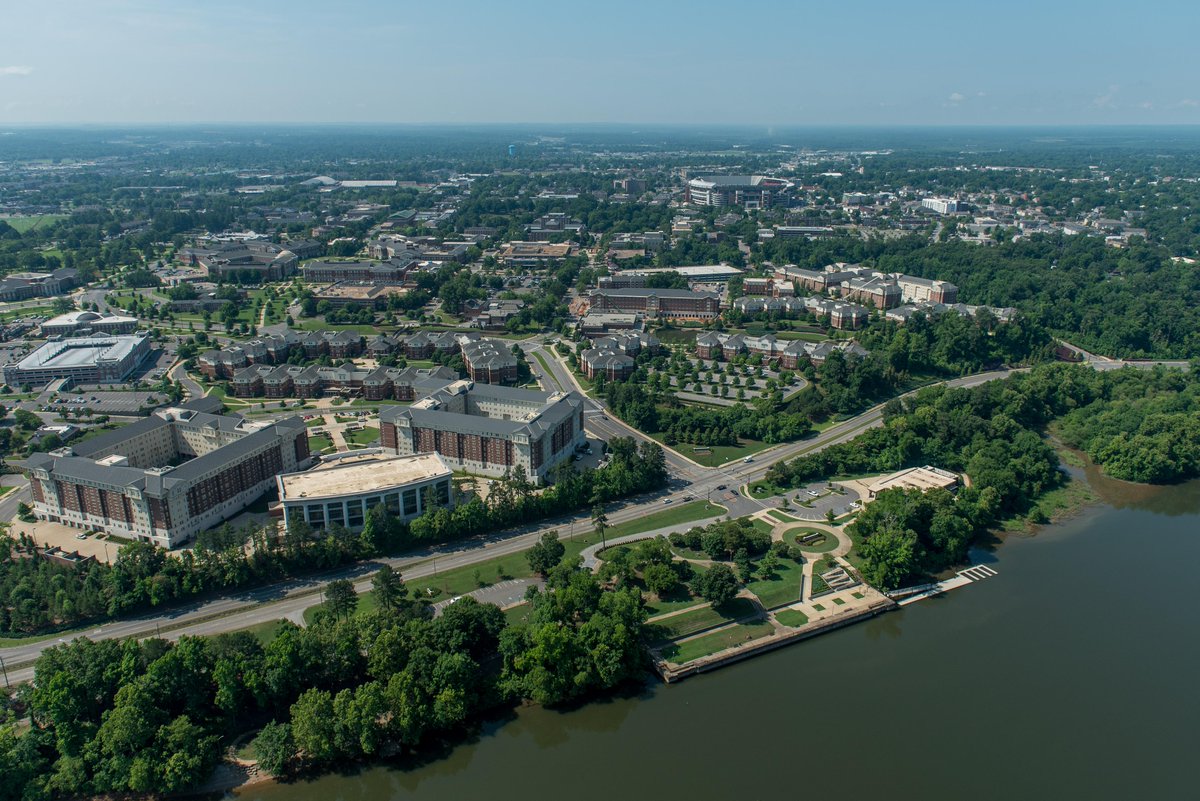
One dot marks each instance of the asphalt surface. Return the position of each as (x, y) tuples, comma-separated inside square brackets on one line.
[(290, 598)]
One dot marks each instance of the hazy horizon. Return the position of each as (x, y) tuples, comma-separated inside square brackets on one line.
[(139, 62)]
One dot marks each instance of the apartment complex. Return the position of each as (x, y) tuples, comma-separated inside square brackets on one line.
[(165, 478), (489, 429), (314, 381), (944, 205), (791, 353), (841, 315), (869, 286), (613, 356), (489, 361), (345, 487), (677, 304)]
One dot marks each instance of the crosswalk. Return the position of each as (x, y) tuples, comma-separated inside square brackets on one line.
[(977, 572)]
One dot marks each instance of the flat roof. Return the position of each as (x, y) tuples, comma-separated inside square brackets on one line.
[(81, 351), (922, 478), (360, 474), (692, 270)]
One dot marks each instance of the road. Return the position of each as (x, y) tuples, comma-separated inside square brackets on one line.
[(289, 599)]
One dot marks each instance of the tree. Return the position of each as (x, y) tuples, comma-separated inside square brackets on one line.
[(546, 554), (340, 598), (389, 588), (718, 586), (274, 748), (660, 579), (600, 522)]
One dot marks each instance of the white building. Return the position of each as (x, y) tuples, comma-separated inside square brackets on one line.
[(344, 488)]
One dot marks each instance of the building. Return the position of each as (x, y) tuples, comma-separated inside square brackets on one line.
[(597, 323), (357, 294), (488, 429), (699, 273), (533, 254), (314, 381), (842, 316), (944, 205), (749, 191), (254, 259), (489, 361), (613, 356), (393, 271), (925, 290), (344, 488), (98, 359), (919, 478), (23, 286), (165, 478), (86, 323), (715, 346), (555, 225), (675, 304)]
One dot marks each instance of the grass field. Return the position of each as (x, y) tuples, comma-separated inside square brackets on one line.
[(23, 224), (781, 590), (717, 455), (704, 617), (791, 617), (364, 436), (793, 536), (681, 653), (683, 513), (5, 490), (320, 443)]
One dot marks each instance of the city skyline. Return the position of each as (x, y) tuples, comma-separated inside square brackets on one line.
[(764, 63)]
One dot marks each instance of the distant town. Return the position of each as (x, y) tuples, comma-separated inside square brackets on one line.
[(686, 401)]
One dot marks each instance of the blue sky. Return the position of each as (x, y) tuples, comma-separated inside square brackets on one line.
[(729, 62)]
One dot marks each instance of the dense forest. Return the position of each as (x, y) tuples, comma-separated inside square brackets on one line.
[(151, 717), (37, 595)]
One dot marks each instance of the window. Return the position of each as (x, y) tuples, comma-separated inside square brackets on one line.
[(336, 514), (410, 502)]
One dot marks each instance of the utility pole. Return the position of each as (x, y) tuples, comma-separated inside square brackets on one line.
[(5, 670)]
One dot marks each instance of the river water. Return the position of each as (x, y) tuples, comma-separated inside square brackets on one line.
[(1071, 674)]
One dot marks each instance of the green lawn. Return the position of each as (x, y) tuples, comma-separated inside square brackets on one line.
[(671, 516), (791, 617), (265, 632), (550, 379), (716, 455), (23, 224), (762, 525), (5, 490), (794, 535), (320, 443), (40, 311), (782, 517), (783, 589), (364, 436), (516, 615), (315, 422), (681, 653), (701, 618), (764, 489)]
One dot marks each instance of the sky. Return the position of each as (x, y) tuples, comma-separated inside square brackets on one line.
[(917, 62)]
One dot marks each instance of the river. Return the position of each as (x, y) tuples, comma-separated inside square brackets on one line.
[(1070, 674)]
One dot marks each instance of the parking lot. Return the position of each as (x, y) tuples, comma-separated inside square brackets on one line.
[(106, 401), (821, 501)]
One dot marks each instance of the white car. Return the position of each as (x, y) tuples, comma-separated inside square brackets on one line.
[(748, 459)]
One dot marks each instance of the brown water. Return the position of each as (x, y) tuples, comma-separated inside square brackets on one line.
[(1071, 674)]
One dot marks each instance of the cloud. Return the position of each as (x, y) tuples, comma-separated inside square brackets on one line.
[(1108, 99), (957, 97), (1188, 103), (15, 70)]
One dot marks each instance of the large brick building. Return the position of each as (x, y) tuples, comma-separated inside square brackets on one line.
[(791, 353), (165, 478), (676, 304), (489, 429)]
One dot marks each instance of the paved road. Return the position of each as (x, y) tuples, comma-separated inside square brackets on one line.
[(290, 598)]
